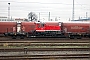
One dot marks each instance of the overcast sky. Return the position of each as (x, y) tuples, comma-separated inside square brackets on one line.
[(57, 8)]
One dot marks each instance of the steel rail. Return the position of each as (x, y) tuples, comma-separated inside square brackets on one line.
[(42, 49), (61, 56), (45, 44)]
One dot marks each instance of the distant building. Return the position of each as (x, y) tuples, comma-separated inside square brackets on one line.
[(13, 19), (83, 19), (20, 19), (2, 18)]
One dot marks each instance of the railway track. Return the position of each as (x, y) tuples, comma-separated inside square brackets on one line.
[(45, 44), (58, 40), (61, 56), (37, 56), (33, 38), (40, 49), (45, 40)]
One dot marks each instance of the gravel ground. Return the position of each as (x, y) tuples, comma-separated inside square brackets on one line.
[(44, 53)]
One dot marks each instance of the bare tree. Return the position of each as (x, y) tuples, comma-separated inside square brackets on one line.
[(32, 16)]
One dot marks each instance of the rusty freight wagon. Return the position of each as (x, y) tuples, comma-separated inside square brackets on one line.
[(8, 28), (76, 30)]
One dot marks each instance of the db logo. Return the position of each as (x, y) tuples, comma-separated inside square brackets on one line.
[(76, 27)]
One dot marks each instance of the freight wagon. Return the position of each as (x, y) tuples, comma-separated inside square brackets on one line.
[(76, 29), (8, 28)]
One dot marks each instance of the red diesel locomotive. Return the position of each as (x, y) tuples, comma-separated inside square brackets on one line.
[(48, 28)]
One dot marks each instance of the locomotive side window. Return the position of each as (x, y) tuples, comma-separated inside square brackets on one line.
[(59, 23), (40, 25)]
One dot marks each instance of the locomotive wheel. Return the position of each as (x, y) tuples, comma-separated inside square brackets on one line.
[(13, 37), (79, 37), (71, 37), (89, 36), (21, 37), (5, 34)]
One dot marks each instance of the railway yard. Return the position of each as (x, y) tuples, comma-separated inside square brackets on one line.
[(44, 49), (43, 36)]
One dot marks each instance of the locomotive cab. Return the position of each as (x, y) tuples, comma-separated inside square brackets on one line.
[(40, 29)]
